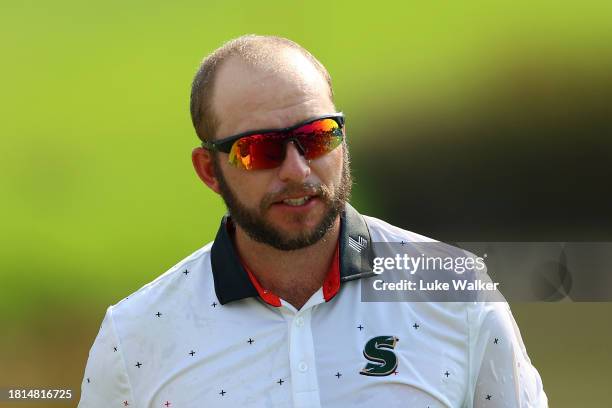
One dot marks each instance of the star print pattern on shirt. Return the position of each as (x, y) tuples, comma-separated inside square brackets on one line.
[(222, 344), (280, 381)]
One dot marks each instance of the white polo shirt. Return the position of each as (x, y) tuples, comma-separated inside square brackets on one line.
[(201, 335)]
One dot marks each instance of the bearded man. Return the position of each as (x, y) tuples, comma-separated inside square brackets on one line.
[(270, 314)]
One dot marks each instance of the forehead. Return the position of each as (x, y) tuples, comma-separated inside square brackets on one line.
[(272, 94)]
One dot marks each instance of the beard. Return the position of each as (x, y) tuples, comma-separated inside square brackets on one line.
[(253, 222)]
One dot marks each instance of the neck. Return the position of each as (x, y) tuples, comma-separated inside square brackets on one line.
[(293, 275)]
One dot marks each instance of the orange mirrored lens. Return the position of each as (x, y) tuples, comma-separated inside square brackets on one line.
[(255, 152), (319, 138)]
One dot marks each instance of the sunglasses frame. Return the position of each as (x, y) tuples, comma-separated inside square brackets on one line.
[(225, 145)]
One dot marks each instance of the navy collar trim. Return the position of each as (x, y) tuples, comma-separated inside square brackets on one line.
[(232, 281)]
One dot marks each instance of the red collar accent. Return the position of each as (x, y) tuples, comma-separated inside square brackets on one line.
[(331, 285), (267, 296)]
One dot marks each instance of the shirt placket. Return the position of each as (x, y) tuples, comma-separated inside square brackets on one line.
[(304, 382)]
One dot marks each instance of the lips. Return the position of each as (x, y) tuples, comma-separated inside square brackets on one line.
[(296, 196), (296, 201)]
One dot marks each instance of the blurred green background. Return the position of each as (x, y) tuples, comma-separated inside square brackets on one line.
[(466, 121)]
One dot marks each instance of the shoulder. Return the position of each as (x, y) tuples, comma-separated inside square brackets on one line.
[(180, 281), (382, 231), (423, 260)]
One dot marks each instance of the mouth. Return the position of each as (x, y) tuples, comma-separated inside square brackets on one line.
[(297, 200)]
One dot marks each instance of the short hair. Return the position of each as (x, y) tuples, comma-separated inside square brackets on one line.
[(255, 49)]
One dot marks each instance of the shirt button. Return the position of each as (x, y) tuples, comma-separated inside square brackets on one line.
[(299, 322), (303, 367)]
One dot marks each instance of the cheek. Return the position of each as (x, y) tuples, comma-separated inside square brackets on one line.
[(249, 187), (329, 168)]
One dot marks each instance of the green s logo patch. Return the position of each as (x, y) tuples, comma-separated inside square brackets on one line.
[(383, 360)]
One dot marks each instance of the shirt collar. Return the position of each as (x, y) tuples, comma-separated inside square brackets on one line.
[(233, 283), (331, 284)]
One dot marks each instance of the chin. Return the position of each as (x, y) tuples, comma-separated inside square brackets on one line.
[(295, 224)]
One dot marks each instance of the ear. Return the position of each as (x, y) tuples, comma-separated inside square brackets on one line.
[(203, 164)]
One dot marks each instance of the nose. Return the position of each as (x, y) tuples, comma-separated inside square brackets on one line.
[(294, 167)]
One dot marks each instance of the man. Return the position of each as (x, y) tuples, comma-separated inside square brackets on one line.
[(270, 313)]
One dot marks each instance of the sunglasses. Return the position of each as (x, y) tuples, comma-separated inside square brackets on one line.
[(265, 149)]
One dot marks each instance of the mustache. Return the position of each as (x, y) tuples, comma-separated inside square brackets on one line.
[(296, 189)]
